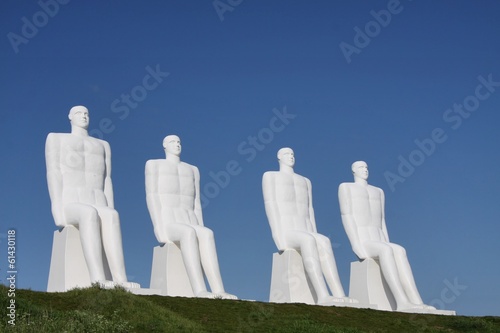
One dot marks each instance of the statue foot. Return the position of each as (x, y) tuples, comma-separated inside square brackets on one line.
[(410, 306), (129, 285), (429, 307), (206, 294), (350, 300), (224, 295), (330, 300), (106, 284)]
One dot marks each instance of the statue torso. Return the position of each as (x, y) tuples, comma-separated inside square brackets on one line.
[(83, 169), (176, 190), (292, 201), (367, 211)]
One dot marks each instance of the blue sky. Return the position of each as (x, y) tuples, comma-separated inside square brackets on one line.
[(397, 87)]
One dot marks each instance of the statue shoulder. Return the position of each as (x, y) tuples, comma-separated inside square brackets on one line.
[(153, 163), (345, 186), (56, 136), (54, 140), (187, 165), (191, 168), (375, 188), (102, 142), (269, 174), (305, 178)]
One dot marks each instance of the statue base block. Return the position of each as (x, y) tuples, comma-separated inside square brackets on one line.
[(168, 273), (68, 268), (144, 291), (369, 286), (289, 283)]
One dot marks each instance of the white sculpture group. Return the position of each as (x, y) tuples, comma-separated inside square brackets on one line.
[(81, 193)]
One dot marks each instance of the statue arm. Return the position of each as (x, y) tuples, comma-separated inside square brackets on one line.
[(54, 178), (384, 226), (153, 198), (272, 211), (108, 185), (312, 218), (349, 221), (197, 198)]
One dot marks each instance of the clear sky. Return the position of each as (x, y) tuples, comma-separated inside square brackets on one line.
[(410, 87)]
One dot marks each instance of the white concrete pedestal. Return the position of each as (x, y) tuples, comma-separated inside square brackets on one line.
[(168, 272), (367, 285), (289, 282), (68, 268)]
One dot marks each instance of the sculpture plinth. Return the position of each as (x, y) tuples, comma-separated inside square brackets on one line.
[(168, 272), (68, 268)]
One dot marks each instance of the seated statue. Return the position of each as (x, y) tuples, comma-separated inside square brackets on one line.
[(363, 217), (173, 200), (289, 209), (81, 194)]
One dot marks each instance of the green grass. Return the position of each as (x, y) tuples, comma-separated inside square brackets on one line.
[(115, 311)]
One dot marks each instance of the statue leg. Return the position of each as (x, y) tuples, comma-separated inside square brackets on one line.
[(209, 261), (306, 244), (86, 218), (390, 271), (112, 242), (328, 265), (186, 236), (406, 274)]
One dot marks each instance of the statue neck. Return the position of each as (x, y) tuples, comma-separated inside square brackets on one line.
[(172, 158), (79, 131), (286, 169), (360, 181)]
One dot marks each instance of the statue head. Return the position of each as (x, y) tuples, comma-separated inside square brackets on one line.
[(286, 157), (360, 170), (172, 145), (79, 116)]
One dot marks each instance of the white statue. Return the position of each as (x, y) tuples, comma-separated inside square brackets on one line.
[(81, 194), (289, 209), (173, 199), (363, 217)]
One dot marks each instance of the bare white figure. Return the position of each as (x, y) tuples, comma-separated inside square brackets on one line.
[(173, 199), (363, 217), (289, 209), (81, 194)]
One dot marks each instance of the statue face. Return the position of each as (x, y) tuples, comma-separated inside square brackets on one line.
[(360, 170), (287, 157), (172, 145), (80, 118)]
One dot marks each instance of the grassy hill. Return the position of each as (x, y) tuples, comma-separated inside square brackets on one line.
[(98, 310)]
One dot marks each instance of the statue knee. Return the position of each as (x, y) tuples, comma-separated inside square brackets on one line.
[(325, 241), (110, 215), (207, 233), (387, 252), (400, 251), (189, 236), (308, 242), (89, 215)]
